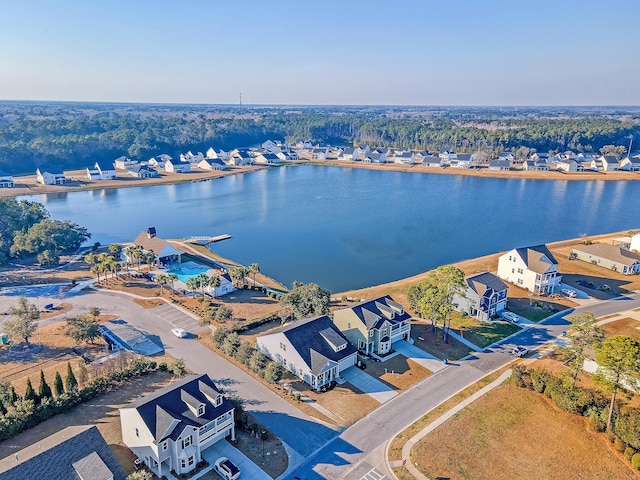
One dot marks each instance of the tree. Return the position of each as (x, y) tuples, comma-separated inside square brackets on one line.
[(115, 249), (44, 391), (23, 325), (438, 292), (257, 361), (231, 344), (30, 393), (162, 279), (192, 284), (254, 268), (214, 283), (615, 150), (150, 258), (70, 383), (171, 278), (237, 273), (618, 360), (140, 475), (52, 236), (178, 368), (273, 373), (307, 300), (5, 389), (58, 386), (202, 279), (223, 313), (13, 396), (83, 328), (584, 333), (245, 350), (94, 312)]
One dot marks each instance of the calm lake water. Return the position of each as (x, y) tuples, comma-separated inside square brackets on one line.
[(347, 228)]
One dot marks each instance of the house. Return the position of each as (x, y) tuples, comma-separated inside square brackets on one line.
[(304, 145), (361, 151), (274, 147), (406, 158), (375, 158), (221, 154), (150, 242), (76, 452), (93, 173), (568, 165), (159, 160), (447, 156), (123, 163), (286, 156), (239, 157), (50, 177), (6, 180), (348, 154), (485, 296), (596, 164), (141, 171), (107, 172), (212, 164), (532, 268), (630, 163), (529, 165), (613, 257), (432, 161), (462, 160), (609, 163), (177, 166), (191, 158), (314, 350), (170, 428), (499, 164), (509, 156), (319, 153), (372, 326), (267, 158), (383, 150), (541, 165)]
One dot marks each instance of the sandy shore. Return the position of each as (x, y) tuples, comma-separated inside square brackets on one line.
[(27, 185)]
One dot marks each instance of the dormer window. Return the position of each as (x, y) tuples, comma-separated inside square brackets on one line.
[(218, 400), (201, 408)]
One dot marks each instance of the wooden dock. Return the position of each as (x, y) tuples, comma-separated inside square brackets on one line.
[(205, 240)]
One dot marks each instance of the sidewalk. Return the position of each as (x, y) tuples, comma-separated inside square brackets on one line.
[(469, 344), (406, 449)]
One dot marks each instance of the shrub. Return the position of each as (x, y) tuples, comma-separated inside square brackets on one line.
[(218, 336), (635, 461), (231, 344), (163, 367), (518, 374), (539, 379), (596, 421), (619, 445), (627, 427), (178, 368), (273, 373), (243, 355), (257, 361), (629, 453)]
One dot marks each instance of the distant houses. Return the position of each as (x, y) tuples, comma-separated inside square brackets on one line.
[(124, 163), (51, 177), (141, 171), (6, 180), (177, 166), (101, 171), (612, 257), (212, 164)]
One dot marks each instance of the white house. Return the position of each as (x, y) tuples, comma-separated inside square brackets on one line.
[(319, 153), (406, 158), (634, 246), (630, 163), (93, 173), (177, 166), (124, 163), (239, 157), (267, 158), (596, 164), (50, 177), (212, 164), (304, 145), (286, 156), (314, 350), (159, 160), (447, 156), (170, 428), (150, 242), (141, 171), (568, 165), (432, 161), (507, 156), (375, 158), (499, 164), (609, 163), (6, 180), (485, 296), (613, 257), (361, 151), (532, 268), (462, 160), (348, 153)]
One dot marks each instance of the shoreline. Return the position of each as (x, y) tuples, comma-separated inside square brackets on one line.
[(27, 184)]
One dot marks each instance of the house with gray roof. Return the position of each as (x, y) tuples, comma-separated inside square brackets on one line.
[(51, 177), (485, 296), (141, 171), (630, 163), (6, 180), (212, 164), (532, 268), (150, 242), (432, 161), (461, 160), (348, 153), (73, 453), (372, 326), (407, 157), (499, 164), (569, 165), (613, 257), (314, 350), (178, 166), (170, 428), (375, 158)]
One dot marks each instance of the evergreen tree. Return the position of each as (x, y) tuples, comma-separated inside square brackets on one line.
[(70, 383), (13, 396), (58, 386), (44, 391), (3, 410), (30, 393)]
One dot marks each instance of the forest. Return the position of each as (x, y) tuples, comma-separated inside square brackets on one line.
[(72, 136)]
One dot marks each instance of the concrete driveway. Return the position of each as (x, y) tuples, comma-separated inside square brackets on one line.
[(418, 355), (248, 469), (369, 385), (176, 318)]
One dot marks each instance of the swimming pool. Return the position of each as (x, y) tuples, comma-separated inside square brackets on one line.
[(184, 271)]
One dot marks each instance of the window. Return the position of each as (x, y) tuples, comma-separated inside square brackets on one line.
[(218, 400), (164, 445), (137, 432), (191, 460), (201, 409), (520, 282), (348, 324), (183, 463), (283, 346), (513, 270), (371, 334), (186, 441), (520, 270)]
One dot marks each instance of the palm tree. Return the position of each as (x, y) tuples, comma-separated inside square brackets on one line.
[(235, 274), (90, 258), (150, 258), (214, 282), (192, 284), (128, 265), (171, 277), (162, 280), (130, 252), (254, 268), (203, 281)]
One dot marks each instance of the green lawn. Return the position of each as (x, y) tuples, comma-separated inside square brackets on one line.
[(523, 307), (480, 333)]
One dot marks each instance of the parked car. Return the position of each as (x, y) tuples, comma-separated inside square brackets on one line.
[(179, 332), (510, 316), (519, 351), (227, 469), (567, 292)]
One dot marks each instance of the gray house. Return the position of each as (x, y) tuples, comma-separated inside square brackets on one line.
[(485, 296), (613, 257)]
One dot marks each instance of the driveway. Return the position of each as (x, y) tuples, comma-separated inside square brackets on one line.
[(369, 385), (418, 355), (248, 469)]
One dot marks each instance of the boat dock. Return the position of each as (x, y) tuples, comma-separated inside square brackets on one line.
[(205, 240)]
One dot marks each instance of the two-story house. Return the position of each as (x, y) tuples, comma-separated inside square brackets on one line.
[(50, 177), (170, 428), (6, 180), (485, 296), (314, 350), (532, 268), (177, 166), (372, 326)]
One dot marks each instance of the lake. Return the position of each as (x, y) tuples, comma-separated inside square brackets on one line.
[(347, 228)]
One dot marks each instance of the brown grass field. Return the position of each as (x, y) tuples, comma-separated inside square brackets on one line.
[(512, 433), (625, 326)]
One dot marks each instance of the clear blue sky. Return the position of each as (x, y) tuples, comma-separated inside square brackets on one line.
[(416, 52)]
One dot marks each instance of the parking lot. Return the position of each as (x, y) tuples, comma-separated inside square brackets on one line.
[(176, 318)]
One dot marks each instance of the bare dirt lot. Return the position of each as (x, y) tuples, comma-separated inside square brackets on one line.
[(512, 433), (398, 372)]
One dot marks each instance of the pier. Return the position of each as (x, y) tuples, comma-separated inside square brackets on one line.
[(205, 240)]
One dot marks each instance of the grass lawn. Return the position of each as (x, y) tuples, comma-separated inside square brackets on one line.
[(525, 308), (512, 433), (431, 342), (624, 326), (482, 334)]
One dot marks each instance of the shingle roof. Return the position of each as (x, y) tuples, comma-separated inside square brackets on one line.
[(65, 455), (173, 407), (614, 253), (533, 258), (371, 313), (159, 246), (485, 280)]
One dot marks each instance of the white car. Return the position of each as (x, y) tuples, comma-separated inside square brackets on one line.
[(519, 351), (510, 316), (226, 468), (179, 332), (567, 292)]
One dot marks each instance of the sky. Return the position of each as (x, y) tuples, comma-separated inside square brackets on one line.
[(322, 52)]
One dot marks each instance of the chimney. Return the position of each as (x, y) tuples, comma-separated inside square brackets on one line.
[(151, 232)]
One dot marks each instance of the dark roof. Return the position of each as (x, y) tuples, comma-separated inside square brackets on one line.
[(465, 157), (4, 174), (137, 168), (103, 166), (373, 312), (348, 150), (532, 257), (481, 282), (169, 406), (499, 162), (431, 159), (314, 340), (75, 453)]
